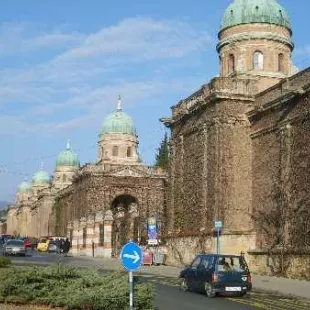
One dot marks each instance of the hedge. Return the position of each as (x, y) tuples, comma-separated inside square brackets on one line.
[(4, 262), (71, 288)]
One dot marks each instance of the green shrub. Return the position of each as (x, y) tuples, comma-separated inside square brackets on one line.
[(4, 262), (64, 286)]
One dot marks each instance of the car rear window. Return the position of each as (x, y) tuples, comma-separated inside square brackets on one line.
[(232, 263), (15, 242)]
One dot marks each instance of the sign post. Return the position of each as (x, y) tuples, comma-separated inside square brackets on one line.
[(218, 226), (131, 259), (152, 231)]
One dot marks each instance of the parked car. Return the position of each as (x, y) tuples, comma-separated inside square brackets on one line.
[(52, 247), (14, 247), (43, 245), (212, 274)]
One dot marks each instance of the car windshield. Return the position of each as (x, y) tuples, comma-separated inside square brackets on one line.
[(231, 263), (15, 243)]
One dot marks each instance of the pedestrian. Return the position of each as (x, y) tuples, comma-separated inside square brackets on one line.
[(66, 246)]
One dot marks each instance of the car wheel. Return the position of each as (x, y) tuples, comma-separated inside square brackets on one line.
[(184, 285), (209, 290)]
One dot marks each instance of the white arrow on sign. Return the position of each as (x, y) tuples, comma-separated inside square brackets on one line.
[(135, 256)]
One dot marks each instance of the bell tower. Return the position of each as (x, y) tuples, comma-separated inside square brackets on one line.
[(255, 42)]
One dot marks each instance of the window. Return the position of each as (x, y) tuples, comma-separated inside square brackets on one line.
[(281, 62), (129, 152), (231, 64), (101, 234), (196, 262), (64, 178), (207, 262), (102, 152), (115, 151), (84, 237), (258, 61)]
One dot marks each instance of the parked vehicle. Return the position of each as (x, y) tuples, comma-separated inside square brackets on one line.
[(43, 245), (52, 247), (14, 247), (212, 274)]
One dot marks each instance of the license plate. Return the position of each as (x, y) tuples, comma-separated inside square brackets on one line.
[(233, 289)]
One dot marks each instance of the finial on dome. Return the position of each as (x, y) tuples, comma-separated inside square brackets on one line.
[(119, 104), (68, 145), (42, 166)]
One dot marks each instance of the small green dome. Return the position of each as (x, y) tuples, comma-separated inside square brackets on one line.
[(255, 11), (41, 178), (118, 122), (24, 187), (67, 158)]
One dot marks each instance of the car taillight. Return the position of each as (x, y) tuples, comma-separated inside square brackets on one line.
[(214, 277), (249, 278)]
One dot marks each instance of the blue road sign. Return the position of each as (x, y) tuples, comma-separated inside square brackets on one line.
[(131, 256), (218, 224)]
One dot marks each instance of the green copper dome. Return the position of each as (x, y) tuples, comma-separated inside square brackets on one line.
[(67, 158), (118, 122), (255, 11), (24, 187), (41, 178)]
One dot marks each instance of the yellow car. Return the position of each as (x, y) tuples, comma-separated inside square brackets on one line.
[(43, 245)]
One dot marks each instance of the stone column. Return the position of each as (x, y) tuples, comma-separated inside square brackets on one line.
[(75, 237), (108, 221), (89, 234), (99, 248)]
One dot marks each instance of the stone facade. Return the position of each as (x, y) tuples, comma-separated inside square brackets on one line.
[(118, 198), (239, 143)]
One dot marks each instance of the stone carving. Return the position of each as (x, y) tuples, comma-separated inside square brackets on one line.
[(99, 216), (108, 215)]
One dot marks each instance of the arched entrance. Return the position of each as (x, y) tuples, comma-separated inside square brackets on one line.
[(125, 223)]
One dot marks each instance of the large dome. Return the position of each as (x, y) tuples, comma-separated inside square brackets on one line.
[(41, 178), (24, 187), (118, 122), (255, 11), (67, 158)]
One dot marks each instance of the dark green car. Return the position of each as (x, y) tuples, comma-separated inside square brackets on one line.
[(212, 274)]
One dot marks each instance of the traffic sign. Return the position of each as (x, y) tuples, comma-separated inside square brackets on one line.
[(131, 256), (218, 224)]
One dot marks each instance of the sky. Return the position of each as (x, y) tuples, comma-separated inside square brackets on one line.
[(64, 63)]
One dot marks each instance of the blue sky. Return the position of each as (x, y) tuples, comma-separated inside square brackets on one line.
[(64, 63)]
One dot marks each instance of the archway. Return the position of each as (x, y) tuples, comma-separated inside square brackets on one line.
[(125, 223)]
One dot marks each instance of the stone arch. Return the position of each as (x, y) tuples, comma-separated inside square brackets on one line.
[(125, 211)]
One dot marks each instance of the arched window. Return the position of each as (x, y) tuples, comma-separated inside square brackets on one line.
[(281, 62), (129, 153), (231, 64), (115, 151), (102, 152), (258, 61), (64, 178)]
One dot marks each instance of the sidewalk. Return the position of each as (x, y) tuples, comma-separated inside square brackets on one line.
[(271, 284)]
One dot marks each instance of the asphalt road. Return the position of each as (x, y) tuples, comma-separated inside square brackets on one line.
[(167, 293)]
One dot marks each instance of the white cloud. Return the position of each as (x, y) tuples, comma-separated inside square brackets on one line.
[(82, 82), (22, 38)]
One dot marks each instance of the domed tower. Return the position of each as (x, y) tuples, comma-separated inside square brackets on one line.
[(67, 165), (23, 192), (118, 140), (255, 41), (41, 180)]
